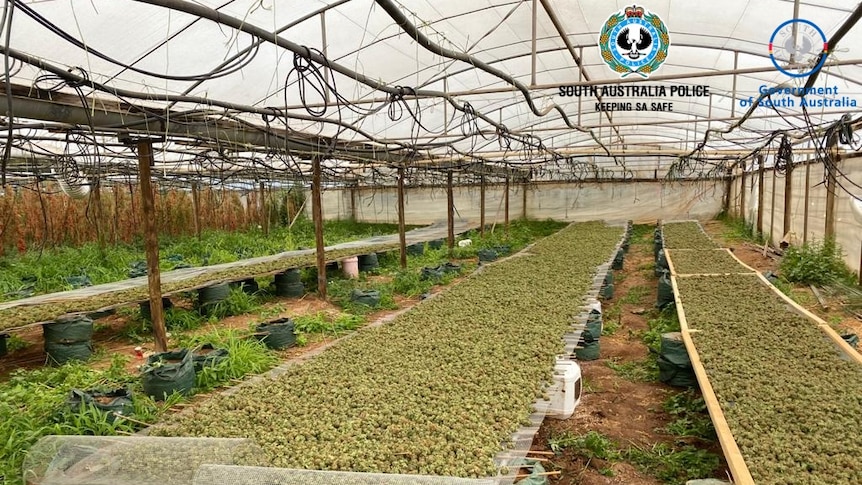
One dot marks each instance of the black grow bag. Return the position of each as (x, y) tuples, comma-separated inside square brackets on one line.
[(436, 244), (368, 262), (167, 373), (487, 255), (147, 314), (417, 249), (116, 401), (619, 260), (61, 352), (3, 338), (249, 286), (850, 338), (588, 350), (276, 334), (207, 355), (365, 297), (68, 330), (208, 297), (292, 275), (665, 291), (661, 264)]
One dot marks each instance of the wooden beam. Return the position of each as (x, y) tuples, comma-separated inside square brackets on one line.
[(353, 190), (772, 207), (788, 199), (807, 193), (831, 184), (482, 205), (151, 243), (450, 211), (507, 206), (264, 213), (196, 203), (402, 238), (317, 215), (742, 193), (524, 200), (760, 191)]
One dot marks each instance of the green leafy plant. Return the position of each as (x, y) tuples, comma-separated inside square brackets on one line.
[(816, 263), (636, 371), (673, 465), (591, 445), (690, 416)]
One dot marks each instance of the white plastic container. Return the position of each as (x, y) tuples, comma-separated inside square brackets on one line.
[(350, 267), (465, 243), (567, 375)]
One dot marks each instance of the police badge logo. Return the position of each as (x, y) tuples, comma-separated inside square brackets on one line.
[(634, 41)]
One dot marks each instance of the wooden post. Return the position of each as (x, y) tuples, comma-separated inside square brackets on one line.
[(450, 211), (317, 214), (831, 183), (482, 205), (264, 214), (788, 200), (97, 213), (728, 189), (742, 193), (151, 242), (807, 191), (196, 202), (507, 206), (353, 190), (116, 191), (760, 190), (772, 206), (402, 238), (524, 201)]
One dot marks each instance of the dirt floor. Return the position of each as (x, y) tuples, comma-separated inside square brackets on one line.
[(629, 413)]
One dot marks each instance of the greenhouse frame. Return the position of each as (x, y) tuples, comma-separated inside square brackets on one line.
[(388, 241)]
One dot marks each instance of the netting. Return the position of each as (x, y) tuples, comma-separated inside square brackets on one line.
[(244, 475), (103, 460)]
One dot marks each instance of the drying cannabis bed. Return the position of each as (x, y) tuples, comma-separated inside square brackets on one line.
[(686, 235), (24, 315), (710, 261), (792, 403), (439, 390)]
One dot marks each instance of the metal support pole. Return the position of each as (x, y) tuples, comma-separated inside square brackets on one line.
[(353, 203), (325, 54), (151, 243), (742, 193), (772, 205), (317, 214), (450, 211), (533, 57), (482, 205), (264, 214), (402, 238), (733, 89), (524, 201)]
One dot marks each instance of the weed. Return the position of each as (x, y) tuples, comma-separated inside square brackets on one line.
[(817, 263), (671, 465), (634, 296), (636, 371), (591, 445), (237, 302), (736, 229), (666, 321), (15, 342), (690, 416)]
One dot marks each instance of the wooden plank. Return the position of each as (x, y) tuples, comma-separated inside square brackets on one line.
[(317, 214), (819, 297), (732, 453), (151, 243), (450, 211), (402, 239)]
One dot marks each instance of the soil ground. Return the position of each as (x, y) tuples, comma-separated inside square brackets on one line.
[(629, 413)]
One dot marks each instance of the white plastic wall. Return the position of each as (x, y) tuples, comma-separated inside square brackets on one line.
[(611, 201)]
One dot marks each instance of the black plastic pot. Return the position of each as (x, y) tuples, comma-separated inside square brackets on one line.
[(209, 296), (277, 334), (619, 260), (661, 263), (417, 249), (430, 273), (3, 338), (70, 329), (365, 297), (145, 307), (436, 244), (61, 352), (368, 262), (207, 355), (292, 275), (665, 291), (167, 373), (487, 255), (289, 284), (116, 401), (249, 286), (588, 350)]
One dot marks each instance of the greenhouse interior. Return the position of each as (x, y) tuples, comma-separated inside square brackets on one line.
[(536, 242)]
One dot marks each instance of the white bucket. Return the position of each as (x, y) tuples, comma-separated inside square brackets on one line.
[(567, 375), (465, 243), (350, 267)]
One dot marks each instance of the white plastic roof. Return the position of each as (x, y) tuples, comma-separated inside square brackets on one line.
[(709, 40)]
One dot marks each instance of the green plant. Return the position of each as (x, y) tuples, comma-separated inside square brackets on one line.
[(816, 263), (634, 295), (690, 416), (245, 356), (636, 371), (237, 302), (736, 229), (14, 343), (591, 445), (666, 321), (671, 465)]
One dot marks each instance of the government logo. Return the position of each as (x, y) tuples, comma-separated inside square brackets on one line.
[(634, 41), (798, 48)]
